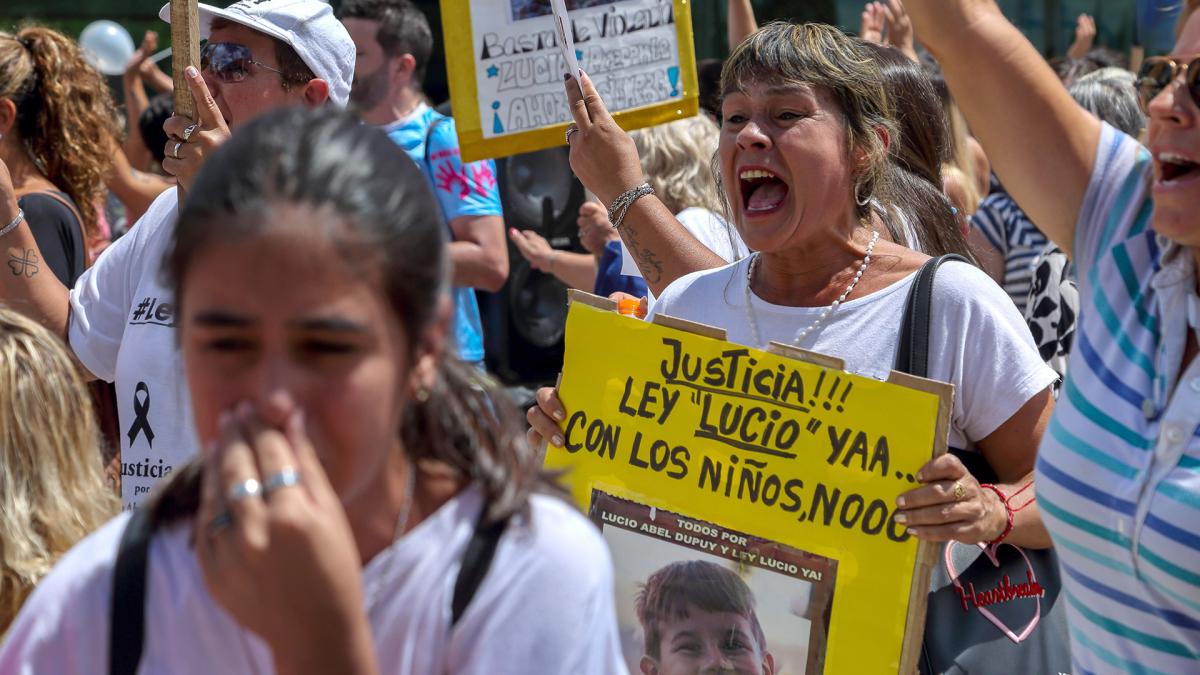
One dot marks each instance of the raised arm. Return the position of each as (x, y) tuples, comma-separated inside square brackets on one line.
[(740, 22), (1040, 142), (606, 161)]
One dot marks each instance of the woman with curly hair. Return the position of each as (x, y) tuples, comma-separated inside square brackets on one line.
[(56, 134), (52, 487)]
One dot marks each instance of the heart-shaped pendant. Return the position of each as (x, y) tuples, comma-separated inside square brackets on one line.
[(1006, 591)]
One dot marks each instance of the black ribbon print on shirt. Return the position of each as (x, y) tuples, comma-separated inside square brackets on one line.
[(141, 411)]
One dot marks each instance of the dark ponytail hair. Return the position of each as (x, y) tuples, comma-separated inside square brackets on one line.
[(381, 210), (917, 157), (65, 113)]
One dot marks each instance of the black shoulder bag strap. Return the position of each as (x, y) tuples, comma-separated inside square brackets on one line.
[(127, 624), (912, 354), (477, 559)]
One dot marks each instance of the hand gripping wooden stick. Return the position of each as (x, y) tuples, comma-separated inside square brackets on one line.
[(185, 43)]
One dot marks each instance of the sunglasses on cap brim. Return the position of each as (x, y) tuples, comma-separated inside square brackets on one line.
[(229, 61)]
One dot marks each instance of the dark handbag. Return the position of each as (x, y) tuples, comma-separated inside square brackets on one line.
[(995, 609)]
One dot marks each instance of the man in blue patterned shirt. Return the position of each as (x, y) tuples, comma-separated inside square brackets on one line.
[(394, 45)]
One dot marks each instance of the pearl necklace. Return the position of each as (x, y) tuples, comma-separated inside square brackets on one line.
[(801, 334)]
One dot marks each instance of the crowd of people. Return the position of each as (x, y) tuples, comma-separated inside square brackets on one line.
[(259, 334)]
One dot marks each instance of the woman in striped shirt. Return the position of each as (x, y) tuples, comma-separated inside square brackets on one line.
[(1118, 476)]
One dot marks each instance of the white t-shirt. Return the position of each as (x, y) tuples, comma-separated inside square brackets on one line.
[(545, 606), (978, 340), (122, 329), (706, 226)]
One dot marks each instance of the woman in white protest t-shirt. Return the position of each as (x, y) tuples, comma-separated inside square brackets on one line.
[(803, 154), (349, 464)]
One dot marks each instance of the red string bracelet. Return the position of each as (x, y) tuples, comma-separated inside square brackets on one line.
[(1007, 510), (1023, 488)]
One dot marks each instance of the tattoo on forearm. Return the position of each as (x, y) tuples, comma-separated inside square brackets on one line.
[(23, 262), (648, 262)]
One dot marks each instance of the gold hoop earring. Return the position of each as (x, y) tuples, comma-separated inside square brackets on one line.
[(422, 395)]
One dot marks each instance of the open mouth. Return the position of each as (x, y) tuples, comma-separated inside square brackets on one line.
[(1175, 168), (762, 191)]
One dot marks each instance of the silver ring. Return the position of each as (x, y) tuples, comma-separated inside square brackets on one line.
[(570, 130), (191, 129), (285, 477), (222, 521), (175, 150), (247, 488)]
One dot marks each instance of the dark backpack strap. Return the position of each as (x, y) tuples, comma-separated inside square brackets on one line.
[(127, 625), (476, 561), (912, 354)]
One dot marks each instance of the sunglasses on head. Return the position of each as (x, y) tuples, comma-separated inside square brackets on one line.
[(1158, 72), (229, 61)]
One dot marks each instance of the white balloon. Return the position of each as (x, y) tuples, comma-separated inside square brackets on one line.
[(107, 46)]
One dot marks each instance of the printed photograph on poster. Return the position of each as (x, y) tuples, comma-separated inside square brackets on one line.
[(529, 9), (690, 592)]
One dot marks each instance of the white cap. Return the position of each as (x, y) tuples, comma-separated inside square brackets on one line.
[(307, 26)]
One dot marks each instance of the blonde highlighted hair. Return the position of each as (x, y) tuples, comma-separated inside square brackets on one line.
[(676, 160), (52, 487)]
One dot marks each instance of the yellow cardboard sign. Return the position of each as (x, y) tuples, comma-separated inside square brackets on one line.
[(683, 447), (505, 68)]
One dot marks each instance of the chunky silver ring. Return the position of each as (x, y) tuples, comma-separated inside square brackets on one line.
[(247, 488), (191, 129), (285, 477), (222, 521), (570, 130), (175, 150)]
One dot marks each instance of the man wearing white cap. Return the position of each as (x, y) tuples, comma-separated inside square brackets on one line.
[(119, 318)]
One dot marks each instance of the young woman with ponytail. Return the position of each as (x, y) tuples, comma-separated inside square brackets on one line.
[(57, 127), (350, 465)]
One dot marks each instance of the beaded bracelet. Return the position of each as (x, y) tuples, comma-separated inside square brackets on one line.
[(620, 205), (1007, 510), (15, 222)]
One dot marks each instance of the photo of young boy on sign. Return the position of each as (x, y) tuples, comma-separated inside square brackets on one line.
[(693, 597)]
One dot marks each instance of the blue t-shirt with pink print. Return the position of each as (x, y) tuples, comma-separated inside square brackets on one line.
[(462, 190)]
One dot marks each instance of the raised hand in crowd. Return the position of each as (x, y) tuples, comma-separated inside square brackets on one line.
[(899, 28), (1085, 37), (595, 231), (871, 26), (605, 159), (190, 142), (261, 564)]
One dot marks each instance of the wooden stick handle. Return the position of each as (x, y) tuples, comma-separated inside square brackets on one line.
[(185, 43)]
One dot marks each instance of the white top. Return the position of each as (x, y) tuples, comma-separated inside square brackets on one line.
[(706, 226), (122, 329), (545, 606), (978, 340)]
